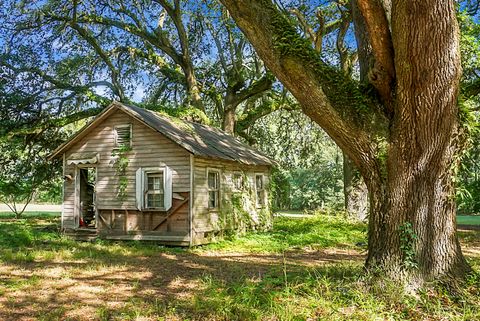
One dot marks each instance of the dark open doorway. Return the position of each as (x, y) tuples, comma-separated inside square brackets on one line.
[(88, 208)]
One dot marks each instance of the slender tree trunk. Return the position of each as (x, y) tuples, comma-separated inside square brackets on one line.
[(193, 89), (229, 119), (354, 190)]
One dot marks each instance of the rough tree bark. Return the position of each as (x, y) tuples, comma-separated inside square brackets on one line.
[(423, 144), (404, 142), (192, 88), (229, 118), (234, 97)]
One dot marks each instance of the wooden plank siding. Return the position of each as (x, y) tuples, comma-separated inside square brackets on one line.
[(208, 223), (131, 222), (149, 149)]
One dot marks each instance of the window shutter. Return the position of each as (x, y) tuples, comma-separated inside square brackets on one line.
[(139, 188), (167, 174), (123, 135)]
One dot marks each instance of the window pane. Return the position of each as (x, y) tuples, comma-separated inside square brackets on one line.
[(150, 200), (157, 184), (212, 180), (237, 181), (212, 199), (150, 183), (260, 199), (155, 181), (259, 182), (155, 200), (158, 200)]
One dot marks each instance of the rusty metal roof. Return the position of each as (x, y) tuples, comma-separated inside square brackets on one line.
[(200, 140)]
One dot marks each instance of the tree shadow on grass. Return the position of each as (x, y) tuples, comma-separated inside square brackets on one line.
[(189, 285), (129, 280), (45, 275)]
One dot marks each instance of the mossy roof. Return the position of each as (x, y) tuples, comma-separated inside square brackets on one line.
[(200, 140)]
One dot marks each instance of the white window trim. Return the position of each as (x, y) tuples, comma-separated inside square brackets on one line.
[(115, 134), (214, 170), (258, 205), (142, 188)]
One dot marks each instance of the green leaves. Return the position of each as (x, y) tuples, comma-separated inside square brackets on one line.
[(407, 245), (23, 171)]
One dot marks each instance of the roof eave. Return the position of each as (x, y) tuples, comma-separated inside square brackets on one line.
[(71, 140)]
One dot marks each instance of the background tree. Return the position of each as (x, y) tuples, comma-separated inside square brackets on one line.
[(327, 26), (309, 171), (66, 60), (468, 182), (156, 52)]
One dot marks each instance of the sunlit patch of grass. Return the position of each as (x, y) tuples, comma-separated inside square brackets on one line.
[(37, 238), (55, 314), (469, 236), (468, 219), (142, 309), (31, 215), (20, 283), (317, 232), (8, 255)]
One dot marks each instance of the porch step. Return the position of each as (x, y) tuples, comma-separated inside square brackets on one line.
[(87, 235)]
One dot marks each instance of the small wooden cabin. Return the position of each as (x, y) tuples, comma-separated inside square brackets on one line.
[(135, 174)]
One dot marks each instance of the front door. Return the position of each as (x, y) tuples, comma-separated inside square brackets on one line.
[(85, 200)]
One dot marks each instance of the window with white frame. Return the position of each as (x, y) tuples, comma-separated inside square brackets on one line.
[(154, 188), (260, 189), (123, 135), (154, 194), (238, 181), (213, 178)]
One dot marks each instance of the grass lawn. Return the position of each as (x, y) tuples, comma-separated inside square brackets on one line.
[(468, 219), (305, 269)]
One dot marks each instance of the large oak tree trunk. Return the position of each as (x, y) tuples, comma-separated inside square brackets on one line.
[(412, 228), (407, 158), (423, 146)]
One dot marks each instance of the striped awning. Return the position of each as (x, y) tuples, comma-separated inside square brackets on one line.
[(82, 158)]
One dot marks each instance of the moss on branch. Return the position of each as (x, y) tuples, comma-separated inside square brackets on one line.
[(344, 94)]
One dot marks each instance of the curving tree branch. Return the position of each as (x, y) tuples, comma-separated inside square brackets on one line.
[(382, 76)]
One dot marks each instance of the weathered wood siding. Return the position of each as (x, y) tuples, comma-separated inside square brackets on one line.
[(149, 149), (237, 211), (169, 227)]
